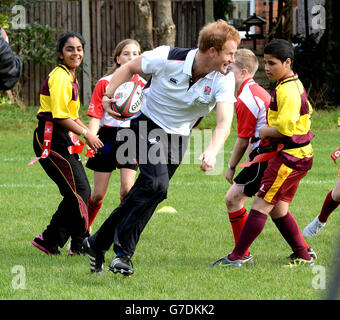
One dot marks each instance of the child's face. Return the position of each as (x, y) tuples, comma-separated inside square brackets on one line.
[(129, 52), (72, 53), (275, 69)]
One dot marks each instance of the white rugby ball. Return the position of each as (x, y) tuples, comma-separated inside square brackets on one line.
[(129, 99)]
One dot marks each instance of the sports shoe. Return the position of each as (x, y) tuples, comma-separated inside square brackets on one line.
[(96, 258), (225, 262), (40, 243), (311, 252), (121, 264), (300, 262), (313, 228)]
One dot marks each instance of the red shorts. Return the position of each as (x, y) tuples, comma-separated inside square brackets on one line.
[(279, 182)]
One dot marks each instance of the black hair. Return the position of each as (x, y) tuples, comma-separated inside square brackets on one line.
[(280, 49), (63, 39)]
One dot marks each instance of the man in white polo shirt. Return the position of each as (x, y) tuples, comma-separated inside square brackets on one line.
[(185, 85)]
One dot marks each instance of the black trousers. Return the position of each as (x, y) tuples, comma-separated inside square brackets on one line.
[(158, 155), (66, 170)]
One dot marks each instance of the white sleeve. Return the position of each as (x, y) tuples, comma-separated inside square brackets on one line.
[(225, 88), (155, 60)]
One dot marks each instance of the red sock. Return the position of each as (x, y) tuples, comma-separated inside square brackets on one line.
[(252, 228), (328, 207), (93, 209), (289, 229), (237, 220)]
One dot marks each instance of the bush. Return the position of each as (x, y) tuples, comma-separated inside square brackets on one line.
[(35, 43)]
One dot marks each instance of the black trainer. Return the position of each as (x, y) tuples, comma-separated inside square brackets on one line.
[(40, 243), (96, 258), (121, 264)]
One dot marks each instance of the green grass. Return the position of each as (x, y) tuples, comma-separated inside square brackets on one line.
[(173, 255)]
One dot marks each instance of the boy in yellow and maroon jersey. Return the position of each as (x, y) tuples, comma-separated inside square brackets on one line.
[(289, 123)]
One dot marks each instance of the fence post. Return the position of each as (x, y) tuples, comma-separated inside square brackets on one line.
[(86, 33), (209, 11)]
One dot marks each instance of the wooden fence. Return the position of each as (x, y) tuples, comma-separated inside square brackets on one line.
[(104, 23)]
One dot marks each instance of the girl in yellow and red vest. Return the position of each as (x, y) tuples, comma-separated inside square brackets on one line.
[(56, 146)]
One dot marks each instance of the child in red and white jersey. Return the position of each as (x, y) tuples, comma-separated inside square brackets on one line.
[(250, 107), (101, 123)]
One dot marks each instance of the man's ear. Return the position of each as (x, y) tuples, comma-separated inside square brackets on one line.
[(212, 51)]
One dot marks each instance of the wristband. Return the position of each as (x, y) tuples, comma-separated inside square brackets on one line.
[(83, 132)]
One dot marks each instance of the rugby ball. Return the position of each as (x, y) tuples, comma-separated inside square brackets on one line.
[(129, 99)]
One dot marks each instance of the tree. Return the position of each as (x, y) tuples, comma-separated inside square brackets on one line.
[(144, 31), (283, 26), (164, 31)]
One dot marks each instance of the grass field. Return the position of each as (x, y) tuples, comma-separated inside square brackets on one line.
[(173, 255)]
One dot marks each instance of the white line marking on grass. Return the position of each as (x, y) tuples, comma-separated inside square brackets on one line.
[(177, 183), (23, 185), (317, 181), (15, 159)]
